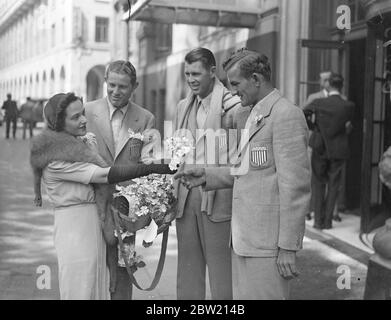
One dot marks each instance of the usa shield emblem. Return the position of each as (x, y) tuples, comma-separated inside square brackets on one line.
[(258, 156)]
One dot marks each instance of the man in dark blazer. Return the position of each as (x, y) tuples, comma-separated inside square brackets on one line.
[(11, 115), (330, 148)]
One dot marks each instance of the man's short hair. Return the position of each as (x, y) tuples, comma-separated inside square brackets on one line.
[(249, 62), (9, 95), (122, 67), (201, 54), (336, 81)]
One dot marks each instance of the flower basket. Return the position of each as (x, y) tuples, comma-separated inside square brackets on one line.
[(147, 198), (130, 224)]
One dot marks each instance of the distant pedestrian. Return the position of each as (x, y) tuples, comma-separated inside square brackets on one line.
[(330, 149), (27, 116), (324, 88), (11, 115)]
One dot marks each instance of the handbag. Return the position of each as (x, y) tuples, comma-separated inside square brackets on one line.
[(382, 241)]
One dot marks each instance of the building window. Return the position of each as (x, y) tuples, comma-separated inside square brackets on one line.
[(63, 30), (101, 29), (53, 35), (358, 12), (163, 38)]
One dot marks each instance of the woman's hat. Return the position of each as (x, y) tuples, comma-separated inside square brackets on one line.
[(52, 109)]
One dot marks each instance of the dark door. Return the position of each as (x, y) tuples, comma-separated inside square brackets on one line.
[(375, 204), (355, 93)]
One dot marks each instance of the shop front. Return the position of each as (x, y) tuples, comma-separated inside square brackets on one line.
[(375, 197), (363, 56)]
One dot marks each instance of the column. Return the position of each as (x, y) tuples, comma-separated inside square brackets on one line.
[(124, 27), (292, 16)]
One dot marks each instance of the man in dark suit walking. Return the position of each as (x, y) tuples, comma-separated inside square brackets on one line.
[(11, 115), (330, 149)]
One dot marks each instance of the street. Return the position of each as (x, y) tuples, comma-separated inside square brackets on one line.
[(26, 244)]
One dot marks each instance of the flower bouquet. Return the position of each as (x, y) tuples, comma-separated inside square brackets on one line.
[(179, 147), (148, 200), (147, 203)]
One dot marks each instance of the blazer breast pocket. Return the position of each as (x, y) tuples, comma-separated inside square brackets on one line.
[(261, 154)]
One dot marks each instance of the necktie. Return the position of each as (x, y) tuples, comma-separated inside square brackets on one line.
[(201, 115), (116, 122)]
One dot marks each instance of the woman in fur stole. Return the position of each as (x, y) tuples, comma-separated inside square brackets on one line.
[(64, 155)]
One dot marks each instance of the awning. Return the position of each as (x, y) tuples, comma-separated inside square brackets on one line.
[(377, 9), (217, 13)]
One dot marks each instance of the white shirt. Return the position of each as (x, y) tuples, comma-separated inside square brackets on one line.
[(116, 119), (334, 93), (203, 110)]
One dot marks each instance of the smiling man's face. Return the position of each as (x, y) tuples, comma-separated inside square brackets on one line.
[(119, 89), (199, 78), (243, 87)]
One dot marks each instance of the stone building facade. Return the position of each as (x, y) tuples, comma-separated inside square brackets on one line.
[(49, 46)]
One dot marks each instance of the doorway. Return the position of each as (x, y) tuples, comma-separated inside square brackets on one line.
[(95, 81), (354, 90)]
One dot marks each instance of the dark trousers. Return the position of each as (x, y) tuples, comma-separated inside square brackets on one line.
[(202, 243), (123, 285), (326, 182), (8, 121), (30, 125)]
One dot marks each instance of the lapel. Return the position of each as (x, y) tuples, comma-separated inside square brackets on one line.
[(102, 118), (262, 111), (184, 116), (213, 120), (130, 121)]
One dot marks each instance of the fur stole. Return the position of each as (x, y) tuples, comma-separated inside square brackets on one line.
[(59, 146)]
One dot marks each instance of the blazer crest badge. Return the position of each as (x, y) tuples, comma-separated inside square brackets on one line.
[(259, 156)]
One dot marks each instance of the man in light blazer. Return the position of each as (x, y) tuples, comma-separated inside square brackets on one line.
[(271, 186), (109, 119), (203, 219)]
